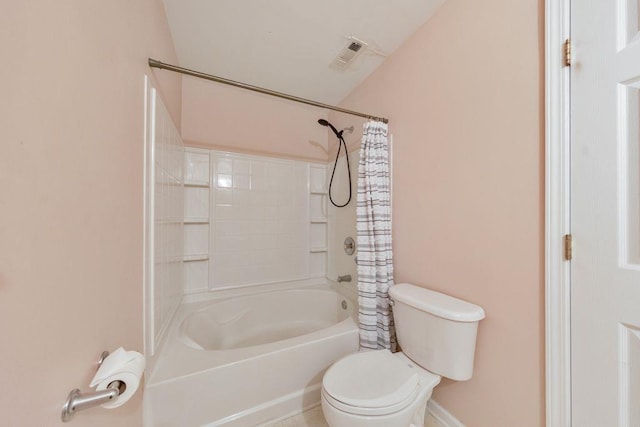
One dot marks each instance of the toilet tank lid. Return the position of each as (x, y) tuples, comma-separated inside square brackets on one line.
[(435, 303)]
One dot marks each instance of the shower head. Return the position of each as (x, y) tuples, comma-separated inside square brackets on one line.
[(323, 122)]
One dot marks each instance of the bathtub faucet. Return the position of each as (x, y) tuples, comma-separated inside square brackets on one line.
[(345, 278)]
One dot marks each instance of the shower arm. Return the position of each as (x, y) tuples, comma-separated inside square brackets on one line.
[(324, 122)]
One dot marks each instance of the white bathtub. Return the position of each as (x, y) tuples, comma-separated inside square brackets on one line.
[(255, 357)]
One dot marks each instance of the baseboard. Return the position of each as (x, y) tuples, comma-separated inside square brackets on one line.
[(442, 415)]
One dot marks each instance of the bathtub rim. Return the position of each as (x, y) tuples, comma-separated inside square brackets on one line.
[(348, 290)]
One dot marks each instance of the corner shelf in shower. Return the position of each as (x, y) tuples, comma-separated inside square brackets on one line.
[(169, 221), (196, 220), (318, 221), (196, 257), (167, 260), (197, 184)]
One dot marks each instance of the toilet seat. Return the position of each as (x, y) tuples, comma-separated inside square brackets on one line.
[(356, 410), (374, 383)]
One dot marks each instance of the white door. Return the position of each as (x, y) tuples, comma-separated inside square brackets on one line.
[(605, 213)]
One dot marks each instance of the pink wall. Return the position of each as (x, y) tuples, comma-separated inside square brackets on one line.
[(71, 177), (465, 96), (224, 117)]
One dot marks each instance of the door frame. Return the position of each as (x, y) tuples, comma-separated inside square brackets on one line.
[(557, 216)]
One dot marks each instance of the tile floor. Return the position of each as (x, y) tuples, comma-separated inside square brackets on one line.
[(314, 418)]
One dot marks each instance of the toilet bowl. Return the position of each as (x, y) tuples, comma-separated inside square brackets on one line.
[(383, 389), (376, 389)]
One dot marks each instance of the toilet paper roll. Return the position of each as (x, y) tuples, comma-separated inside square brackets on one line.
[(124, 366)]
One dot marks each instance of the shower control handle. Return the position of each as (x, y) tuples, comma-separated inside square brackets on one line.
[(349, 246), (345, 278)]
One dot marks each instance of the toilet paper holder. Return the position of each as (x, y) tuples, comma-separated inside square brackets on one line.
[(78, 401)]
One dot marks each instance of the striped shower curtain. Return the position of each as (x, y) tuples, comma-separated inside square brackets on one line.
[(375, 260)]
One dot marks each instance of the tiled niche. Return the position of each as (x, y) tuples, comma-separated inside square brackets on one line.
[(262, 219)]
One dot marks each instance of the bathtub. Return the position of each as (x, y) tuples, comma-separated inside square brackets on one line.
[(247, 357)]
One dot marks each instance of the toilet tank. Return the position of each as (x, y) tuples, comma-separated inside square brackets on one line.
[(436, 331)]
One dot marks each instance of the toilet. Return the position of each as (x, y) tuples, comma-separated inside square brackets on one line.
[(437, 334)]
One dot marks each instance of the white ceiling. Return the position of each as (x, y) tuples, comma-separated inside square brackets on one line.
[(288, 45)]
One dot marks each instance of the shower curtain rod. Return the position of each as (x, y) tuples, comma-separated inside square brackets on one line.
[(157, 64)]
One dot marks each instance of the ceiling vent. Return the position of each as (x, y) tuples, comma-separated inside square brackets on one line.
[(349, 53)]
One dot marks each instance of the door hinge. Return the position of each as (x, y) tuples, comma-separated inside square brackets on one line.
[(568, 247), (566, 52)]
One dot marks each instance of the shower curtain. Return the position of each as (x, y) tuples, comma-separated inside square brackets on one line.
[(375, 259)]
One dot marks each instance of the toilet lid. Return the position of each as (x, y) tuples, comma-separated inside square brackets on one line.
[(372, 379)]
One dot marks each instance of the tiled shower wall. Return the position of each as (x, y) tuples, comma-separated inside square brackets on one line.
[(266, 221), (164, 287)]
